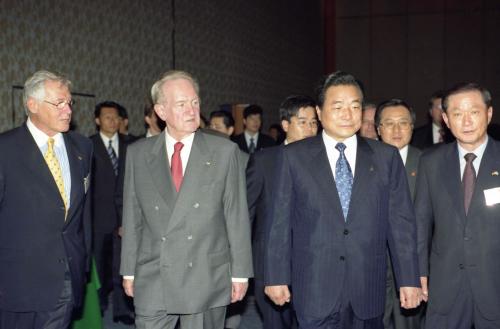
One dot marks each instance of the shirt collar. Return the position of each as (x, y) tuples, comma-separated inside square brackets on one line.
[(351, 143), (187, 140), (40, 137), (478, 151), (106, 139), (404, 153)]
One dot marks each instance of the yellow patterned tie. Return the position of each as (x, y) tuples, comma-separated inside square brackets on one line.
[(55, 169)]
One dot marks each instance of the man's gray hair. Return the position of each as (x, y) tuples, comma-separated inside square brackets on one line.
[(34, 87), (156, 90)]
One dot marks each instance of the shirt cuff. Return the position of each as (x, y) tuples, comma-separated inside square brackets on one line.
[(128, 277), (240, 280)]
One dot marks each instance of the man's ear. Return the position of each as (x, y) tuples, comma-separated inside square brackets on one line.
[(32, 105), (284, 125), (160, 111), (97, 121), (230, 130)]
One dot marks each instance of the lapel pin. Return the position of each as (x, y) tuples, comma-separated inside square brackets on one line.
[(413, 173), (208, 163), (371, 168), (80, 158), (494, 173)]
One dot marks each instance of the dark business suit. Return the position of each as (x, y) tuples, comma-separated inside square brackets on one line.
[(458, 252), (261, 171), (37, 244), (395, 316), (106, 220), (262, 142), (422, 137), (333, 263)]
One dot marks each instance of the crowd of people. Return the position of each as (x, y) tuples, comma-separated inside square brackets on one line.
[(347, 217)]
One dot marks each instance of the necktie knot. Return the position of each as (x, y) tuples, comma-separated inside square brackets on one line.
[(340, 147), (50, 144), (469, 157), (178, 147)]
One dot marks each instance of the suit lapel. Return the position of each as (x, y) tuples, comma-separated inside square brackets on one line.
[(75, 159), (320, 168), (490, 167), (195, 175), (450, 171), (411, 167), (365, 169), (159, 168), (38, 167)]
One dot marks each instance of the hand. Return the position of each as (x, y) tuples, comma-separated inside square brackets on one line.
[(425, 288), (120, 231), (128, 286), (238, 292), (410, 297), (278, 294)]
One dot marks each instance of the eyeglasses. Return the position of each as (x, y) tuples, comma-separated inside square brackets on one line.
[(62, 104), (403, 125)]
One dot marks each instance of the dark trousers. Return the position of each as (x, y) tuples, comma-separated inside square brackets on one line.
[(341, 317), (122, 304), (396, 317), (103, 255), (58, 318), (463, 315), (273, 316)]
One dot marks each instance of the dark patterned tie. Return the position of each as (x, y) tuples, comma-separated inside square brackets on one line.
[(176, 166), (251, 148), (343, 179), (113, 158), (468, 180)]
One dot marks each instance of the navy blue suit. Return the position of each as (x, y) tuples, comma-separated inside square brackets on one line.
[(36, 243), (260, 173), (325, 259)]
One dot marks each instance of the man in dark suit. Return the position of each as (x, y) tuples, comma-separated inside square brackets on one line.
[(108, 166), (186, 244), (435, 131), (123, 124), (44, 215), (252, 140), (299, 121), (328, 236), (458, 217), (394, 120)]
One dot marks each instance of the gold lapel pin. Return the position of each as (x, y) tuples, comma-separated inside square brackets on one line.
[(208, 163), (494, 173), (413, 173)]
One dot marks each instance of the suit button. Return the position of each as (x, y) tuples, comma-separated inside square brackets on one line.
[(342, 258), (346, 232), (190, 237), (163, 238), (157, 208), (190, 264), (461, 266), (196, 205), (466, 238)]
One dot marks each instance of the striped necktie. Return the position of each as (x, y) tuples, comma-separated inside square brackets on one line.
[(113, 158)]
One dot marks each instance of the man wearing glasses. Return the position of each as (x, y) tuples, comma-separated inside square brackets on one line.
[(44, 210), (394, 120)]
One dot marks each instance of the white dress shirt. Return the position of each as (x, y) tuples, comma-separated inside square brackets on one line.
[(59, 149), (114, 142), (436, 133), (479, 151), (333, 154), (404, 154), (255, 139)]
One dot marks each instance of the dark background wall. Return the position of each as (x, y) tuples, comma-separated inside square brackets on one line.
[(240, 51), (409, 49)]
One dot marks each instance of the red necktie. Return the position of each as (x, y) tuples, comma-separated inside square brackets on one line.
[(176, 166)]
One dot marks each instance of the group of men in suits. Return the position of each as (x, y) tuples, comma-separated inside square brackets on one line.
[(322, 217)]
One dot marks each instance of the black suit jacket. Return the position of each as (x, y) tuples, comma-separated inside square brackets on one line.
[(311, 247), (36, 242), (411, 167), (422, 137), (106, 185), (260, 177), (455, 248), (262, 142)]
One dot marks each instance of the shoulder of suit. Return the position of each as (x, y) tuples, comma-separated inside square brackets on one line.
[(216, 139), (9, 135)]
